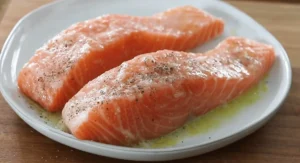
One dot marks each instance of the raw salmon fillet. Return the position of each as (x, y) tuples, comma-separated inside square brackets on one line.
[(85, 50), (155, 93)]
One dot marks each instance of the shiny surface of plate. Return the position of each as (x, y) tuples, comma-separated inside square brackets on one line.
[(40, 25)]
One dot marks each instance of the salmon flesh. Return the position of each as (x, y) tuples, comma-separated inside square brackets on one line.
[(61, 67), (155, 93)]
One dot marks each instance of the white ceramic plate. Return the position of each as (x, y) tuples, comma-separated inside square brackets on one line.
[(42, 24)]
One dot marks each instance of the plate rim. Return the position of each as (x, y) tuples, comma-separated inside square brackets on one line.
[(46, 128)]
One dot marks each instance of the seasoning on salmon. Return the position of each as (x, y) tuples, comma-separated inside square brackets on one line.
[(87, 49), (156, 93)]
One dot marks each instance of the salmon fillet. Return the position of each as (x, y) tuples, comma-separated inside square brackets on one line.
[(87, 49), (155, 93)]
